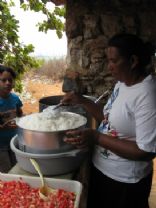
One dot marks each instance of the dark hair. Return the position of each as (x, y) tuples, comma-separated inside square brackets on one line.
[(130, 44), (7, 69)]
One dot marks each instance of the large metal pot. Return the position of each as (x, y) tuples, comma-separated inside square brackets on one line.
[(33, 141)]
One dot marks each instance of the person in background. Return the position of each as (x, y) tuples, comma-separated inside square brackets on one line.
[(124, 145), (10, 108)]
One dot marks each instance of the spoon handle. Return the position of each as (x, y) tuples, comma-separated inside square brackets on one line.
[(57, 106), (37, 168), (101, 96)]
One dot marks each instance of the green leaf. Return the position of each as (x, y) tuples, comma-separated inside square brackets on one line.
[(12, 52)]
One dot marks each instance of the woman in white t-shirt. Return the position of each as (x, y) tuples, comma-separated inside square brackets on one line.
[(125, 142)]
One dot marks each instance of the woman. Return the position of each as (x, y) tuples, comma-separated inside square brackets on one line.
[(10, 107), (125, 142)]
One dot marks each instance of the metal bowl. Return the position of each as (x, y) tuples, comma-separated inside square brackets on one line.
[(33, 141)]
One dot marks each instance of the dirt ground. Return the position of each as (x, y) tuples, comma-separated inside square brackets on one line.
[(39, 90)]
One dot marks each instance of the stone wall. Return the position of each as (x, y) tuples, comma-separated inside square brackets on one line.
[(90, 23)]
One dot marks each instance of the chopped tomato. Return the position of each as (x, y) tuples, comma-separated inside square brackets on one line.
[(18, 194)]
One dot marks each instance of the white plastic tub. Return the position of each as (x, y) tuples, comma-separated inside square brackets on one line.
[(50, 164), (68, 185)]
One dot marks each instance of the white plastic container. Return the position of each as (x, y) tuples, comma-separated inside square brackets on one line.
[(50, 164), (68, 185)]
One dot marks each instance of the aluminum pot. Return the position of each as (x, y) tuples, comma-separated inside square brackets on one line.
[(33, 141)]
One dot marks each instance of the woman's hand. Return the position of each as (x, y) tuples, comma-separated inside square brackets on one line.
[(82, 138), (72, 98)]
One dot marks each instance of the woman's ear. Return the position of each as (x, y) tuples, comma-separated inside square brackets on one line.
[(134, 61)]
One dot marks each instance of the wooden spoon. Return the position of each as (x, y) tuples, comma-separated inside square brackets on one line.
[(44, 190)]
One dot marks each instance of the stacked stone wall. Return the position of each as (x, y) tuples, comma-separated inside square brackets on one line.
[(89, 25)]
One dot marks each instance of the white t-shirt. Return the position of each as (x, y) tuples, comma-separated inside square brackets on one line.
[(132, 115)]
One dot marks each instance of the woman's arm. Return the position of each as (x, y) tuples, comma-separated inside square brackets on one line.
[(124, 148), (94, 109), (121, 147)]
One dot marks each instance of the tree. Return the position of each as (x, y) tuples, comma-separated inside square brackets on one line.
[(53, 22), (12, 52)]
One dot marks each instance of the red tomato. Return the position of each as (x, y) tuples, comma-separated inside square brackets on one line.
[(18, 194)]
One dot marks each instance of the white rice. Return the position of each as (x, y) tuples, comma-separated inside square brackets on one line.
[(49, 122)]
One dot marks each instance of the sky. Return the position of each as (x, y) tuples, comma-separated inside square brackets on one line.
[(46, 44)]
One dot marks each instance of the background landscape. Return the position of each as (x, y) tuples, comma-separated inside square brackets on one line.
[(44, 81)]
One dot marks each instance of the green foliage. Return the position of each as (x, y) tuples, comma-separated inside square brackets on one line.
[(12, 52), (52, 68), (53, 18)]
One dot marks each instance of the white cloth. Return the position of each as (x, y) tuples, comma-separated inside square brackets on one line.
[(132, 115)]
